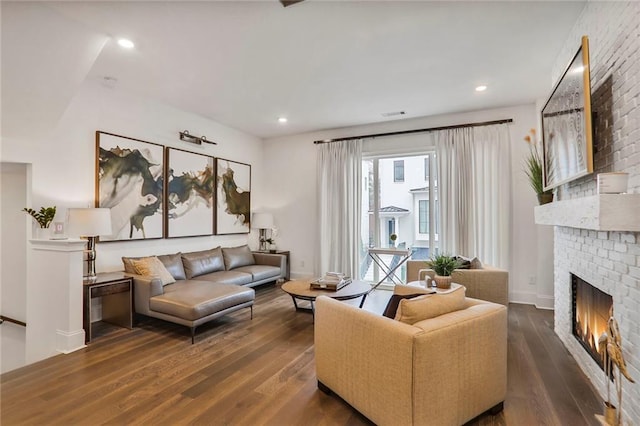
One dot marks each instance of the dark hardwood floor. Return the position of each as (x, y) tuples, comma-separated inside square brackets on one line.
[(260, 371)]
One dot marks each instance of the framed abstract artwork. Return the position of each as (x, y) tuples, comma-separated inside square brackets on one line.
[(129, 182), (233, 193), (190, 194)]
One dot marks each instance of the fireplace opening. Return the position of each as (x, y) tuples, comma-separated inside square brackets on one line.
[(590, 315)]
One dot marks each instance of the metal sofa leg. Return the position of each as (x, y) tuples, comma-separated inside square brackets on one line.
[(193, 335), (251, 311)]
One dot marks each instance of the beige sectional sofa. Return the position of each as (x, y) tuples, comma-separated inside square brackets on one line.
[(202, 286), (487, 283), (444, 370)]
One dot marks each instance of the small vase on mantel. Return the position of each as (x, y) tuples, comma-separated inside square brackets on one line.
[(43, 233), (545, 198)]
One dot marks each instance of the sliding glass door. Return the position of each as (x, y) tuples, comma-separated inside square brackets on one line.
[(399, 197)]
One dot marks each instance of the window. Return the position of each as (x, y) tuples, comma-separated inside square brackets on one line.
[(396, 199), (423, 216), (427, 160), (398, 171)]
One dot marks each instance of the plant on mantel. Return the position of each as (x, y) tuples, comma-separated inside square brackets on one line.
[(533, 169), (44, 216)]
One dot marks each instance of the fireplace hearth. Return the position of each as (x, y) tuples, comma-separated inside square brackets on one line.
[(590, 315)]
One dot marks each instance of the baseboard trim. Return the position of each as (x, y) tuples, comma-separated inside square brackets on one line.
[(523, 298), (545, 302), (69, 341)]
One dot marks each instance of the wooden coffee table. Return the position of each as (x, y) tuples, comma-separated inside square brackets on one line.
[(300, 290)]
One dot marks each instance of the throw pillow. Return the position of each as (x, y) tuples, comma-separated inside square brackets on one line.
[(152, 267), (401, 289), (173, 263), (410, 311), (464, 262), (128, 264), (202, 262), (475, 263), (392, 306), (469, 263), (235, 257)]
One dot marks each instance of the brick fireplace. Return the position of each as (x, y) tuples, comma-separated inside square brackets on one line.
[(597, 237), (586, 245)]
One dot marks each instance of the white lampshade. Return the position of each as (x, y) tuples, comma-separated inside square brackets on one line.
[(89, 222), (262, 221)]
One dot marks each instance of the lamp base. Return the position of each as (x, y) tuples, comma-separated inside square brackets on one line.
[(91, 257), (263, 237)]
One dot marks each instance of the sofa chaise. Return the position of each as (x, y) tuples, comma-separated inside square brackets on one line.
[(193, 288)]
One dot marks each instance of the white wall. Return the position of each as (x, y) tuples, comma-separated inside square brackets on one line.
[(291, 190), (63, 165)]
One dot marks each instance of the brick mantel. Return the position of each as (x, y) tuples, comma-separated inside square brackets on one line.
[(603, 212)]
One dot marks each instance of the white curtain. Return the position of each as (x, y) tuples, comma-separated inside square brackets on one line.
[(339, 169), (474, 190)]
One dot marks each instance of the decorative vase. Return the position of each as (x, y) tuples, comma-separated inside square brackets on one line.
[(545, 198), (42, 233), (442, 282)]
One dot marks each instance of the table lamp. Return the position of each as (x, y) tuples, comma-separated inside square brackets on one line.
[(262, 221), (90, 223)]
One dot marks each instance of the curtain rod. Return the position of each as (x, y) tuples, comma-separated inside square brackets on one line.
[(406, 132)]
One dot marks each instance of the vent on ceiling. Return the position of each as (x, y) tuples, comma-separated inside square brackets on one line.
[(392, 114)]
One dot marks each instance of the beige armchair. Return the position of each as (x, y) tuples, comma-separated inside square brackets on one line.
[(441, 371), (488, 283)]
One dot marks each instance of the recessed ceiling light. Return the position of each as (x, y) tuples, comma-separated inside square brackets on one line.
[(481, 88), (282, 120), (127, 44)]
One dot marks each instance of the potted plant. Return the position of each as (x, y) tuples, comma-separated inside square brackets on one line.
[(533, 170), (443, 265), (44, 216)]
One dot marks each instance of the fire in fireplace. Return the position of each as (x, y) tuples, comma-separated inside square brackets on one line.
[(590, 315)]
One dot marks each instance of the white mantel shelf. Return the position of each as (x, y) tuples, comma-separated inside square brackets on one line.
[(603, 212)]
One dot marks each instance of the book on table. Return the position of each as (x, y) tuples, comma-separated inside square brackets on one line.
[(331, 281)]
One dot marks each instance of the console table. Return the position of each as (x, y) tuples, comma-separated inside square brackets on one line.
[(115, 288)]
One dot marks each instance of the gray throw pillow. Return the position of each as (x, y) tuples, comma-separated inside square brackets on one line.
[(173, 263), (475, 264), (463, 262), (235, 257), (468, 263), (202, 262)]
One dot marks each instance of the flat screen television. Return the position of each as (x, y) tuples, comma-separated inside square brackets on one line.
[(567, 140)]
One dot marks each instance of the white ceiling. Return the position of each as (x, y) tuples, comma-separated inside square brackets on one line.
[(327, 64)]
